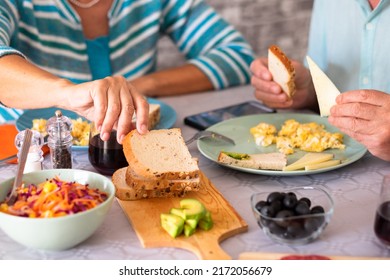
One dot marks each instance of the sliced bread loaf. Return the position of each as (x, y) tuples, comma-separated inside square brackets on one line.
[(138, 182), (281, 69), (160, 154), (125, 192)]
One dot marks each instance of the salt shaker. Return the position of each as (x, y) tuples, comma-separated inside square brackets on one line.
[(35, 153), (59, 141)]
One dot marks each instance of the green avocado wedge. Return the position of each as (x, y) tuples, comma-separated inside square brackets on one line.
[(172, 224)]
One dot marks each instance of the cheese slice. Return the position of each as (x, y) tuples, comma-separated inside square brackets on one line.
[(325, 89), (308, 159), (324, 164)]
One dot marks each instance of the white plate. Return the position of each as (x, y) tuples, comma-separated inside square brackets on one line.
[(167, 120), (238, 130)]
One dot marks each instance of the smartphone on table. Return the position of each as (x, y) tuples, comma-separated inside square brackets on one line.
[(206, 119)]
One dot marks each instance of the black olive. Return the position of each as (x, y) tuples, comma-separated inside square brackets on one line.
[(276, 229), (312, 224), (276, 205), (302, 208), (260, 205), (274, 196), (283, 214), (290, 200), (267, 211), (305, 199), (317, 210), (295, 229)]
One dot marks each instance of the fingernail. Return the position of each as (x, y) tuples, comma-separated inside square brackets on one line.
[(144, 128), (105, 136), (121, 139)]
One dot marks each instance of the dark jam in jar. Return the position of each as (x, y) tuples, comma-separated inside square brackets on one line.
[(106, 156), (382, 223)]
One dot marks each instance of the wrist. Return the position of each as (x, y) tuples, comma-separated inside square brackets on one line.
[(145, 85), (62, 90)]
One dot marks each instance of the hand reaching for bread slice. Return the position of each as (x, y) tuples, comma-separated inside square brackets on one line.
[(282, 70)]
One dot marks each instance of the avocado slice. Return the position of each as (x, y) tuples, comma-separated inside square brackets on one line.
[(172, 224), (188, 230), (239, 156), (206, 223), (192, 208)]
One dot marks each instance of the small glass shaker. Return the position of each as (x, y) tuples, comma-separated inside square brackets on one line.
[(59, 141), (35, 153)]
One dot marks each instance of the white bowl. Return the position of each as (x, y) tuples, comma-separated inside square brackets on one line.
[(58, 233)]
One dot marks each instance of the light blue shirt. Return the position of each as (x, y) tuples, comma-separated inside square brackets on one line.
[(351, 43)]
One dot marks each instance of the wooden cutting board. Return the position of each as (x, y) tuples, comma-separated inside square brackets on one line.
[(144, 216)]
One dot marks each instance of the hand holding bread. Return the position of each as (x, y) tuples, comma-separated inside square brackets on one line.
[(274, 77)]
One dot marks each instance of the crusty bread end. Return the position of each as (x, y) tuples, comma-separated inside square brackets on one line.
[(281, 69)]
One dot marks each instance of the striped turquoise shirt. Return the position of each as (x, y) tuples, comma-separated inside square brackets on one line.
[(49, 33)]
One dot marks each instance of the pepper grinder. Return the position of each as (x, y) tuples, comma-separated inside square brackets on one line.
[(35, 153), (59, 141)]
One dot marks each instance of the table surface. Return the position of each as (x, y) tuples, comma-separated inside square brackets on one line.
[(355, 189)]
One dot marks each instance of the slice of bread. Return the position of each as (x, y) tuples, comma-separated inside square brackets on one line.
[(281, 69), (125, 192), (154, 116), (267, 161), (160, 154), (139, 182)]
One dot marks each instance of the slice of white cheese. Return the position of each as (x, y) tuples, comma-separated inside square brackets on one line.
[(325, 89), (321, 165), (308, 159)]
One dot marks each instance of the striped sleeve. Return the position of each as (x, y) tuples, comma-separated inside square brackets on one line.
[(208, 41), (8, 16)]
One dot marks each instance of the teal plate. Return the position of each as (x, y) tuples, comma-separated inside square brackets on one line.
[(238, 130), (167, 119)]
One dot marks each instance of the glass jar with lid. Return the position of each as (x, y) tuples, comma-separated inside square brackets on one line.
[(59, 141)]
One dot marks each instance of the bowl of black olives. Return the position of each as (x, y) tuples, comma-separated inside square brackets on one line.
[(294, 216)]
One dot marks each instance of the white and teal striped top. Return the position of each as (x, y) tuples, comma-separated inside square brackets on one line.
[(49, 33)]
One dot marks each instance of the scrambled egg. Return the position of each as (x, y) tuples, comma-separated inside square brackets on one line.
[(309, 137), (80, 130)]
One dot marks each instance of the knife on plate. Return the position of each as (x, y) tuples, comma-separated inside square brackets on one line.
[(325, 89)]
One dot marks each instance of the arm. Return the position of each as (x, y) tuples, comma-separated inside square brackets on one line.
[(217, 55), (180, 80), (109, 102)]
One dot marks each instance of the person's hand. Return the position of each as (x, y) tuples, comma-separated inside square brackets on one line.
[(110, 103), (365, 116), (272, 95)]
